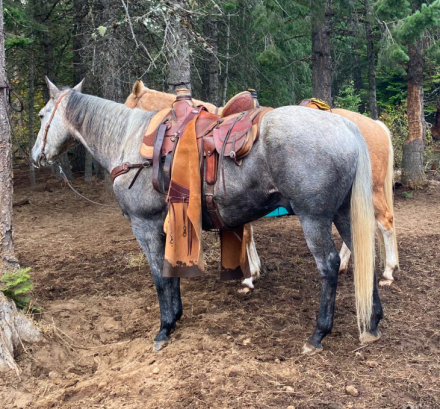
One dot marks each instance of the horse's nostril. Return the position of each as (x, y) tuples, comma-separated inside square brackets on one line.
[(41, 159)]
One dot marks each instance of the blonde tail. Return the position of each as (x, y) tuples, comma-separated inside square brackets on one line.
[(362, 230), (388, 188)]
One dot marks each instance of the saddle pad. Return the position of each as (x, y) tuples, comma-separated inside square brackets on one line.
[(315, 103), (148, 139)]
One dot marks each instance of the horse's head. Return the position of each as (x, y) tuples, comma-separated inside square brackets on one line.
[(134, 100), (55, 136), (147, 99)]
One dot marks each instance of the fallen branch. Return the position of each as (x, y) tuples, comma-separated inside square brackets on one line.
[(21, 203)]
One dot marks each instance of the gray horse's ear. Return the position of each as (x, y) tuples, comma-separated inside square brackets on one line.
[(54, 92), (79, 87)]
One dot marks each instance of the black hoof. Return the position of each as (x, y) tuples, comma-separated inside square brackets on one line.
[(159, 345)]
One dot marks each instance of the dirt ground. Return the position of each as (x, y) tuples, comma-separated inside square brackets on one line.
[(100, 315)]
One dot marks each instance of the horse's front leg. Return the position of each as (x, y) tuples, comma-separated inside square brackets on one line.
[(152, 240)]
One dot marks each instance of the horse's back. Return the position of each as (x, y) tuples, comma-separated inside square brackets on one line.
[(377, 141), (296, 130), (315, 151)]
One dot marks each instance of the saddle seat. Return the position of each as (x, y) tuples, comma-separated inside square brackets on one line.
[(239, 129), (244, 101)]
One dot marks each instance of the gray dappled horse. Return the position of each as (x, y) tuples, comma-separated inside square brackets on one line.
[(315, 161)]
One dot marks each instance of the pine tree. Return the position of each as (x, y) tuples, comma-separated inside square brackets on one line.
[(405, 24)]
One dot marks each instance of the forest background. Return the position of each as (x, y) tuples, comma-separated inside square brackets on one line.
[(378, 58)]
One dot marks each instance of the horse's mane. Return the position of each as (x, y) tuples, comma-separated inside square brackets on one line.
[(103, 118)]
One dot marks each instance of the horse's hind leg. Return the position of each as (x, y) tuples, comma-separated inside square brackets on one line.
[(152, 240), (342, 223), (384, 219), (344, 255), (254, 260), (318, 234)]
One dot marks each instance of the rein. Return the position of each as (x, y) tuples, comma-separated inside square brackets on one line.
[(63, 175)]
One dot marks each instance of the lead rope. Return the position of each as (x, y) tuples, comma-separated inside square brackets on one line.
[(63, 175)]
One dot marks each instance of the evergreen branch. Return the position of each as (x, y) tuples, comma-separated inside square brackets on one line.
[(51, 11)]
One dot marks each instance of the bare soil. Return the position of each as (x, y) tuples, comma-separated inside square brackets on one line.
[(100, 314)]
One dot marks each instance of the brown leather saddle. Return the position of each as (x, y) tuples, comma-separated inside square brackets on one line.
[(229, 135)]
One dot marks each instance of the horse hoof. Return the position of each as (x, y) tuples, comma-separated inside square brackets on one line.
[(159, 345), (385, 282), (309, 349), (368, 338), (247, 282)]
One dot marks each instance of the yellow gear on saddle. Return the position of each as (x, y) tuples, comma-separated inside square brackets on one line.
[(320, 104)]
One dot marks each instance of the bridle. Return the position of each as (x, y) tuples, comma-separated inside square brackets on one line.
[(138, 99), (42, 155)]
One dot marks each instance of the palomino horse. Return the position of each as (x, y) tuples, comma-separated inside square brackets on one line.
[(314, 161), (378, 140)]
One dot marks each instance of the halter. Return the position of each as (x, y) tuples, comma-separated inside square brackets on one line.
[(46, 128), (138, 99)]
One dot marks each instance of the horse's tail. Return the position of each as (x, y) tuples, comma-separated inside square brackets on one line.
[(362, 233), (388, 190)]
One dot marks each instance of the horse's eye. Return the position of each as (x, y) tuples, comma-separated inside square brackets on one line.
[(41, 116)]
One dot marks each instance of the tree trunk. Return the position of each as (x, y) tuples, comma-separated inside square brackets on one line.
[(46, 46), (435, 130), (79, 71), (357, 66), (31, 113), (228, 41), (100, 171), (77, 40), (374, 113), (211, 86), (65, 164), (8, 259), (321, 57), (88, 168), (15, 327), (413, 174), (78, 160), (179, 72)]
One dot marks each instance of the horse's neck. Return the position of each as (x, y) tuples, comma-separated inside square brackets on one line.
[(105, 154), (112, 146), (156, 100)]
